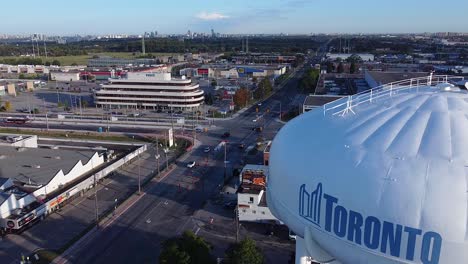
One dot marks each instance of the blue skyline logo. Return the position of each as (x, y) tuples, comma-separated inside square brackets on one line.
[(368, 231), (310, 204)]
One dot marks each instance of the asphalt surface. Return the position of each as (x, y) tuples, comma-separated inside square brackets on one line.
[(77, 214), (178, 201)]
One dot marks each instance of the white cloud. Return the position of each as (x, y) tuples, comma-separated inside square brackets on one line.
[(211, 16)]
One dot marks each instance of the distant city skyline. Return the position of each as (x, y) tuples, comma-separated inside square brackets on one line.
[(234, 17)]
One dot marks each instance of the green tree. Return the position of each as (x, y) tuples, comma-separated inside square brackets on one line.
[(330, 67), (187, 249), (47, 63), (8, 106), (340, 68), (209, 99), (245, 252), (173, 254), (214, 83), (264, 89), (309, 80), (352, 67), (56, 62), (21, 76)]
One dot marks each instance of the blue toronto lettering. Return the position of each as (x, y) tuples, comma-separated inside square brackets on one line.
[(429, 256), (330, 200), (369, 231), (355, 227), (391, 236), (412, 233), (372, 232), (341, 216)]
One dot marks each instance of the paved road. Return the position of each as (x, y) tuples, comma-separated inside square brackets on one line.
[(171, 206), (78, 213)]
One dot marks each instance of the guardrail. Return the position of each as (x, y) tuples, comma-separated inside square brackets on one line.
[(346, 104)]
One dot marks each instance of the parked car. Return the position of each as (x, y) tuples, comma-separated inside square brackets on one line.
[(292, 235), (241, 145), (191, 164), (207, 149), (230, 205), (226, 135)]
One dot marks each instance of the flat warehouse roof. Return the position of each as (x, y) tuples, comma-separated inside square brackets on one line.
[(38, 165)]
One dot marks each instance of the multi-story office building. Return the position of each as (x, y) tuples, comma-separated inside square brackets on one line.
[(150, 90)]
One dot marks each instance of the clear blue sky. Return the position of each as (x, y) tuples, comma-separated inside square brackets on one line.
[(233, 16)]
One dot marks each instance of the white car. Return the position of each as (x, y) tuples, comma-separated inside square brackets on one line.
[(207, 149), (191, 164)]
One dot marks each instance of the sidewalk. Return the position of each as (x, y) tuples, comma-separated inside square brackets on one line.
[(109, 219)]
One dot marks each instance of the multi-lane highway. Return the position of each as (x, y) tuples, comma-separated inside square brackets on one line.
[(167, 207)]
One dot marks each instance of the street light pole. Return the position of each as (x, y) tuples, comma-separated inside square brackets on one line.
[(237, 223), (225, 158), (139, 174), (280, 113), (167, 161), (96, 200), (46, 112), (157, 154)]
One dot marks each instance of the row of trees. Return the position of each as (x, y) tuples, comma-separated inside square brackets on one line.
[(353, 67), (29, 61), (191, 249), (284, 45), (309, 80), (264, 89), (243, 96)]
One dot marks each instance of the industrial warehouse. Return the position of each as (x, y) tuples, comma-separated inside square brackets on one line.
[(36, 180)]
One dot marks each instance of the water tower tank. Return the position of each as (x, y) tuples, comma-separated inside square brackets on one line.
[(379, 177)]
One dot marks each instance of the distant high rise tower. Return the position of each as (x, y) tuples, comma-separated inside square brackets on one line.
[(247, 45), (143, 49), (213, 34)]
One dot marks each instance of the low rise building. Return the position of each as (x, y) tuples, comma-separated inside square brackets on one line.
[(344, 56), (377, 78), (314, 101), (150, 90), (65, 76), (251, 195)]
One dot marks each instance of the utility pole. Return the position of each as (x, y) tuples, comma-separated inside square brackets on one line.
[(157, 154), (280, 113), (45, 48), (96, 200), (237, 223), (167, 161), (139, 173), (46, 112), (225, 158)]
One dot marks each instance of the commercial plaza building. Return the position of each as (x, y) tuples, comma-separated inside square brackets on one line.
[(150, 90)]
